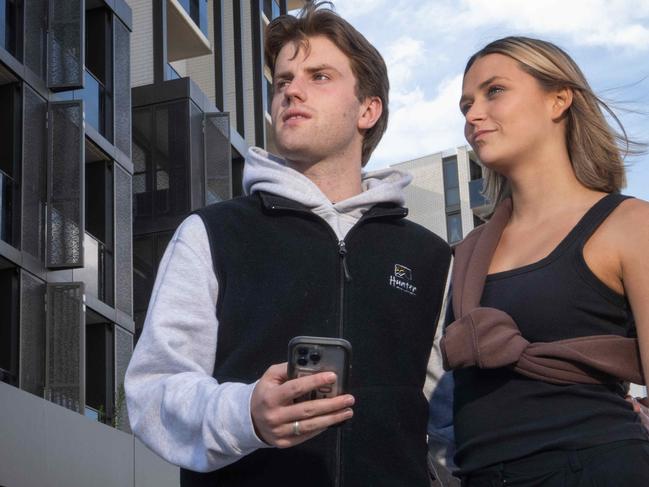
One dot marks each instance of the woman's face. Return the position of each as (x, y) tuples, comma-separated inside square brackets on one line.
[(508, 116)]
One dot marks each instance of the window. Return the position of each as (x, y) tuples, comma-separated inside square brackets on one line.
[(100, 403), (9, 323), (451, 183), (454, 227), (10, 135), (98, 272), (9, 26)]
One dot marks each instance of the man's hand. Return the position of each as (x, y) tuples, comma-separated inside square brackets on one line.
[(274, 413)]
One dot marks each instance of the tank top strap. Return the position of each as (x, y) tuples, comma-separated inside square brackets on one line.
[(595, 217)]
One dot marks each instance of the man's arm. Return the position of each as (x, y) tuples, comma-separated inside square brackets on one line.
[(175, 405)]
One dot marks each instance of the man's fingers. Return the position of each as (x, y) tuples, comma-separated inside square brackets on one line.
[(295, 388), (309, 428), (277, 373), (318, 407)]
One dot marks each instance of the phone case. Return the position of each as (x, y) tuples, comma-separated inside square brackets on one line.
[(310, 355)]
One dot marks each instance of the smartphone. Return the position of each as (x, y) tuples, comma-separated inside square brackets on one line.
[(310, 355)]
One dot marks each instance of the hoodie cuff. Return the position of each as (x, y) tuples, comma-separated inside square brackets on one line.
[(249, 440)]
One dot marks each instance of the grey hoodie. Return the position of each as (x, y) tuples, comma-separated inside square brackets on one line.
[(175, 406)]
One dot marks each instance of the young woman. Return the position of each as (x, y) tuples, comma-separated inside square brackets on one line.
[(567, 270)]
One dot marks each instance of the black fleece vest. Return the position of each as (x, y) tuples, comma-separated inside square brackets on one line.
[(282, 273)]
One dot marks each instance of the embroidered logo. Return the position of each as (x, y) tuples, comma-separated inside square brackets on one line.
[(402, 280)]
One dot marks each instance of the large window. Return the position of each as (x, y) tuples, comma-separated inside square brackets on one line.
[(9, 26), (452, 199), (100, 398), (10, 134), (9, 322)]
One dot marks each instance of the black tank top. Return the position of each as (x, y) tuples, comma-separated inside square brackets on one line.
[(500, 415)]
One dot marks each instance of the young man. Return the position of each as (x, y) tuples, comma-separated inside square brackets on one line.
[(316, 248)]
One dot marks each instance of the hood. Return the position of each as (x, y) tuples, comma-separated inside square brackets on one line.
[(269, 173)]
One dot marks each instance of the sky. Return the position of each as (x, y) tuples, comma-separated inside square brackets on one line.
[(426, 44)]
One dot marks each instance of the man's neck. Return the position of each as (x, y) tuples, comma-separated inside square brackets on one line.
[(338, 180)]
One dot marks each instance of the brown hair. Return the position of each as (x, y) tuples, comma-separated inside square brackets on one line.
[(594, 147), (366, 63)]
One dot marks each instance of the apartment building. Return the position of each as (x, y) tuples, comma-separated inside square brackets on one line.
[(201, 95), (445, 194)]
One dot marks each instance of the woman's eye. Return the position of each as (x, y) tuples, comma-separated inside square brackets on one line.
[(465, 108), (494, 90)]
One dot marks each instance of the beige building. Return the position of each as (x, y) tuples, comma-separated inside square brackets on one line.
[(444, 195)]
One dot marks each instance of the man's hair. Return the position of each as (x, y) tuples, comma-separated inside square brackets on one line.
[(596, 149), (366, 63)]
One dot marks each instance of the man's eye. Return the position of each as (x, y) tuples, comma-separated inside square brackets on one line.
[(320, 77), (281, 84)]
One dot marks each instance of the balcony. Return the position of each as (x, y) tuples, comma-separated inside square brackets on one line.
[(187, 29), (479, 204)]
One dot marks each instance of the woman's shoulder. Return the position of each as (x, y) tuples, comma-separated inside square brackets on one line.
[(628, 225)]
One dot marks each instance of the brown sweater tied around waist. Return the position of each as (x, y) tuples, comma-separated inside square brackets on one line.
[(489, 338)]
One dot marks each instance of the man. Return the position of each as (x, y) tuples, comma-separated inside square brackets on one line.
[(316, 248)]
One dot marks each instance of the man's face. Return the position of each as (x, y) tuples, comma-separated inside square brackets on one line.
[(316, 114)]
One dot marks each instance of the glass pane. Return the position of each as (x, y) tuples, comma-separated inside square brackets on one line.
[(454, 227), (452, 196), (450, 173)]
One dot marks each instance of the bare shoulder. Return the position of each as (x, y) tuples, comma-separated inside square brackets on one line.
[(629, 225)]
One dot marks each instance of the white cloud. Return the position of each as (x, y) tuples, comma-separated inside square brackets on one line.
[(419, 125), (607, 23)]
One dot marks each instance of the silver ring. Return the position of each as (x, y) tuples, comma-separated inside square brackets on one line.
[(296, 428)]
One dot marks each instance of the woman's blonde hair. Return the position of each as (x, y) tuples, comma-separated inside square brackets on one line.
[(594, 147)]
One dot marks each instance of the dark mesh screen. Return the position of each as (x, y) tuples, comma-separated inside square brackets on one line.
[(123, 352), (65, 372), (65, 44), (65, 222), (32, 334), (122, 88), (123, 242), (34, 182), (218, 166), (35, 36)]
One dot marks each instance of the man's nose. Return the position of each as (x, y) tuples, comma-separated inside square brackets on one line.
[(296, 89)]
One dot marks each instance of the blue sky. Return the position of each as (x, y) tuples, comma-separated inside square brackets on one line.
[(426, 44)]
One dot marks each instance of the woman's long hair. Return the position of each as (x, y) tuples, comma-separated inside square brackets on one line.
[(596, 150)]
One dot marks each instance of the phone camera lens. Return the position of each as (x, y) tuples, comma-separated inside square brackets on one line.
[(315, 357), (302, 350), (302, 361)]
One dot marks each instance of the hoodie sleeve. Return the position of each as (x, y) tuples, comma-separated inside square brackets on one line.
[(175, 406)]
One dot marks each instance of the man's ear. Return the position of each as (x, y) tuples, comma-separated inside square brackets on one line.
[(561, 101), (370, 112)]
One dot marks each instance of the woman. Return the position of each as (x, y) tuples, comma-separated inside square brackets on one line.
[(546, 404)]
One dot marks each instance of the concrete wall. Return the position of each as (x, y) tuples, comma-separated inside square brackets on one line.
[(141, 42), (43, 444)]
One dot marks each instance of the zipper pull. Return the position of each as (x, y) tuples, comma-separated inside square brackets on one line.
[(342, 250)]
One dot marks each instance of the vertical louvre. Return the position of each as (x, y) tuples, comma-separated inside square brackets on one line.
[(34, 180), (32, 334), (65, 349), (218, 165), (122, 64), (123, 352), (65, 44), (36, 36), (65, 185), (123, 242)]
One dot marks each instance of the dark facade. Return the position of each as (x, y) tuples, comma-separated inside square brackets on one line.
[(66, 312)]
